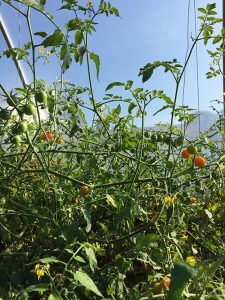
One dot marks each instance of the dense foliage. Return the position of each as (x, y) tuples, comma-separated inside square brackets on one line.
[(105, 209)]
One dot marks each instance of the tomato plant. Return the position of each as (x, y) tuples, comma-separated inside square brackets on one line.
[(102, 209)]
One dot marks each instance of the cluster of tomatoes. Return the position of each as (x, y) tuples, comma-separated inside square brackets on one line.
[(199, 161)]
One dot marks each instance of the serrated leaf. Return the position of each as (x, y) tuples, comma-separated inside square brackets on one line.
[(202, 10), (30, 2), (115, 11), (67, 60), (110, 201), (87, 282), (87, 217), (217, 39), (146, 240), (96, 60), (180, 275), (51, 259), (91, 257), (131, 107), (74, 128), (211, 6), (208, 213), (41, 33), (53, 40), (116, 83), (161, 109), (54, 297), (42, 287), (79, 258), (78, 37)]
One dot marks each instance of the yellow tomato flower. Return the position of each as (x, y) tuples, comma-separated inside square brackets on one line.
[(170, 199), (41, 49), (47, 53), (40, 270), (184, 237), (191, 260)]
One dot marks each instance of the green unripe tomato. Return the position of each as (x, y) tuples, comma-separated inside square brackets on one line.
[(81, 50), (22, 127), (160, 137), (29, 109), (192, 149), (167, 140), (179, 140), (13, 101), (16, 140), (41, 96), (154, 138), (147, 134), (5, 114)]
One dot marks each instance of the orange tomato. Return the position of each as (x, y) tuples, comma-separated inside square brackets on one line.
[(185, 154), (84, 190), (165, 282), (200, 162), (194, 200), (46, 136)]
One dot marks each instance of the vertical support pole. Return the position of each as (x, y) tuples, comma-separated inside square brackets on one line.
[(10, 46)]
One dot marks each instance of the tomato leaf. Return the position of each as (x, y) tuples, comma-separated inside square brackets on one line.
[(180, 275), (87, 217), (87, 282), (41, 33), (54, 39), (54, 297), (30, 2), (42, 287), (96, 60), (116, 83)]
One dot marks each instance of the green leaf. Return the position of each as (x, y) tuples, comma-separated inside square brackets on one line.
[(161, 109), (116, 83), (96, 60), (87, 282), (111, 201), (30, 2), (78, 37), (79, 258), (67, 60), (74, 128), (91, 257), (146, 240), (131, 107), (129, 84), (55, 297), (202, 10), (210, 7), (87, 217), (147, 71), (217, 39), (51, 259), (53, 40), (115, 11), (180, 275), (42, 287), (41, 33)]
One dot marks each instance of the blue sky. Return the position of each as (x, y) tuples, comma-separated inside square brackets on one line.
[(147, 31)]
